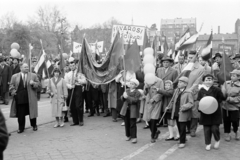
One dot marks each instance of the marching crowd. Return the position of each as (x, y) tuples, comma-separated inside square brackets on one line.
[(172, 101)]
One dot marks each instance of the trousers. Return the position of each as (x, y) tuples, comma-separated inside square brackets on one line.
[(130, 125), (22, 111), (210, 130)]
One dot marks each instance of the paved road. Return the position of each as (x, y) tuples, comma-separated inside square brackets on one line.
[(102, 139)]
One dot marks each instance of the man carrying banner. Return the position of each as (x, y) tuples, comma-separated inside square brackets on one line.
[(75, 82)]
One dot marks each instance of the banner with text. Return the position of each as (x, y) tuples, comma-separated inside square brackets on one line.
[(77, 47), (228, 48), (99, 45), (129, 32)]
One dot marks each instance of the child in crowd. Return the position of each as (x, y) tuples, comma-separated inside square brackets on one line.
[(130, 110), (212, 121), (167, 96), (231, 91), (181, 105)]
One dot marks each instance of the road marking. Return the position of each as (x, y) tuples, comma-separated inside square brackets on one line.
[(145, 147), (175, 147)]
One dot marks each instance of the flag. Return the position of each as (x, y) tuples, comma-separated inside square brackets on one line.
[(164, 45), (77, 47), (206, 53), (226, 63), (47, 71), (132, 58), (39, 66), (146, 43), (183, 38), (189, 42)]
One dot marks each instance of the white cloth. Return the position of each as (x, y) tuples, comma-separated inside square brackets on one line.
[(74, 78)]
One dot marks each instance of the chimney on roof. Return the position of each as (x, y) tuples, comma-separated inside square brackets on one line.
[(218, 29)]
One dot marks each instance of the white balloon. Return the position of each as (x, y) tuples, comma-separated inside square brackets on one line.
[(150, 78), (208, 105), (14, 53), (149, 68), (148, 51), (148, 59)]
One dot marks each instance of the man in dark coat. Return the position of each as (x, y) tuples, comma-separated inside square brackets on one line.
[(15, 66), (212, 121), (3, 135), (5, 77)]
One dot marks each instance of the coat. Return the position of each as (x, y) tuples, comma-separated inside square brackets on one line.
[(171, 74), (216, 117), (232, 92), (60, 93), (186, 103), (15, 69), (112, 95), (179, 67), (5, 77), (167, 96), (140, 78), (131, 103), (4, 137), (152, 110), (32, 94), (195, 78)]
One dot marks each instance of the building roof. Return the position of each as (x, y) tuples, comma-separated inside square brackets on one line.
[(178, 21), (218, 37)]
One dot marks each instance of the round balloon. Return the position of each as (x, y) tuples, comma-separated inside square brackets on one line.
[(65, 56), (208, 105), (149, 68), (150, 78), (148, 51), (148, 59), (14, 53), (15, 46)]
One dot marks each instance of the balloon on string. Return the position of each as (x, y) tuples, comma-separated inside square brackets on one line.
[(148, 59), (14, 53), (148, 51), (149, 68), (65, 56), (208, 105), (15, 46), (150, 78)]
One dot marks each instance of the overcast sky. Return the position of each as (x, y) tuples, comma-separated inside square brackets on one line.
[(144, 12)]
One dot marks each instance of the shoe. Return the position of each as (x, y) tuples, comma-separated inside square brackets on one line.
[(74, 124), (216, 145), (86, 111), (123, 124), (146, 127), (192, 134), (134, 140), (35, 128), (128, 138), (227, 137), (176, 139), (157, 134), (187, 132), (208, 147), (90, 115), (139, 120), (65, 119), (62, 125), (98, 114), (181, 145), (159, 125), (56, 125), (107, 114), (153, 140), (81, 123), (237, 136), (170, 139), (20, 131), (114, 120)]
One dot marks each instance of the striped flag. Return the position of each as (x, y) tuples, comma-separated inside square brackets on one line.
[(206, 53), (183, 38), (189, 42), (40, 63)]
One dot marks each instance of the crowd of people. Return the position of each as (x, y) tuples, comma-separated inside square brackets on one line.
[(171, 101)]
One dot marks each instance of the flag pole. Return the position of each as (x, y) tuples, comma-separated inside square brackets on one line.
[(45, 60), (30, 60), (224, 69)]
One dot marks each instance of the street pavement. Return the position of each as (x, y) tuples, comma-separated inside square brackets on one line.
[(102, 139)]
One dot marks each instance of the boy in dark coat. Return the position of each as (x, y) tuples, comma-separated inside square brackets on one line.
[(212, 121), (130, 110)]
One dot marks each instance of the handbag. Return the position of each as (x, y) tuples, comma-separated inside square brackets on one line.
[(64, 108)]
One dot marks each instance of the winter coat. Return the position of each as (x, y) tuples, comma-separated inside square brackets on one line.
[(32, 94), (5, 77), (232, 93), (171, 74), (131, 103), (167, 96), (152, 110), (186, 104), (60, 93), (216, 117)]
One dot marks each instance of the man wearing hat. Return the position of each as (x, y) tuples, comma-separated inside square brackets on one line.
[(5, 77), (75, 82), (181, 105), (15, 66), (166, 73), (236, 61)]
